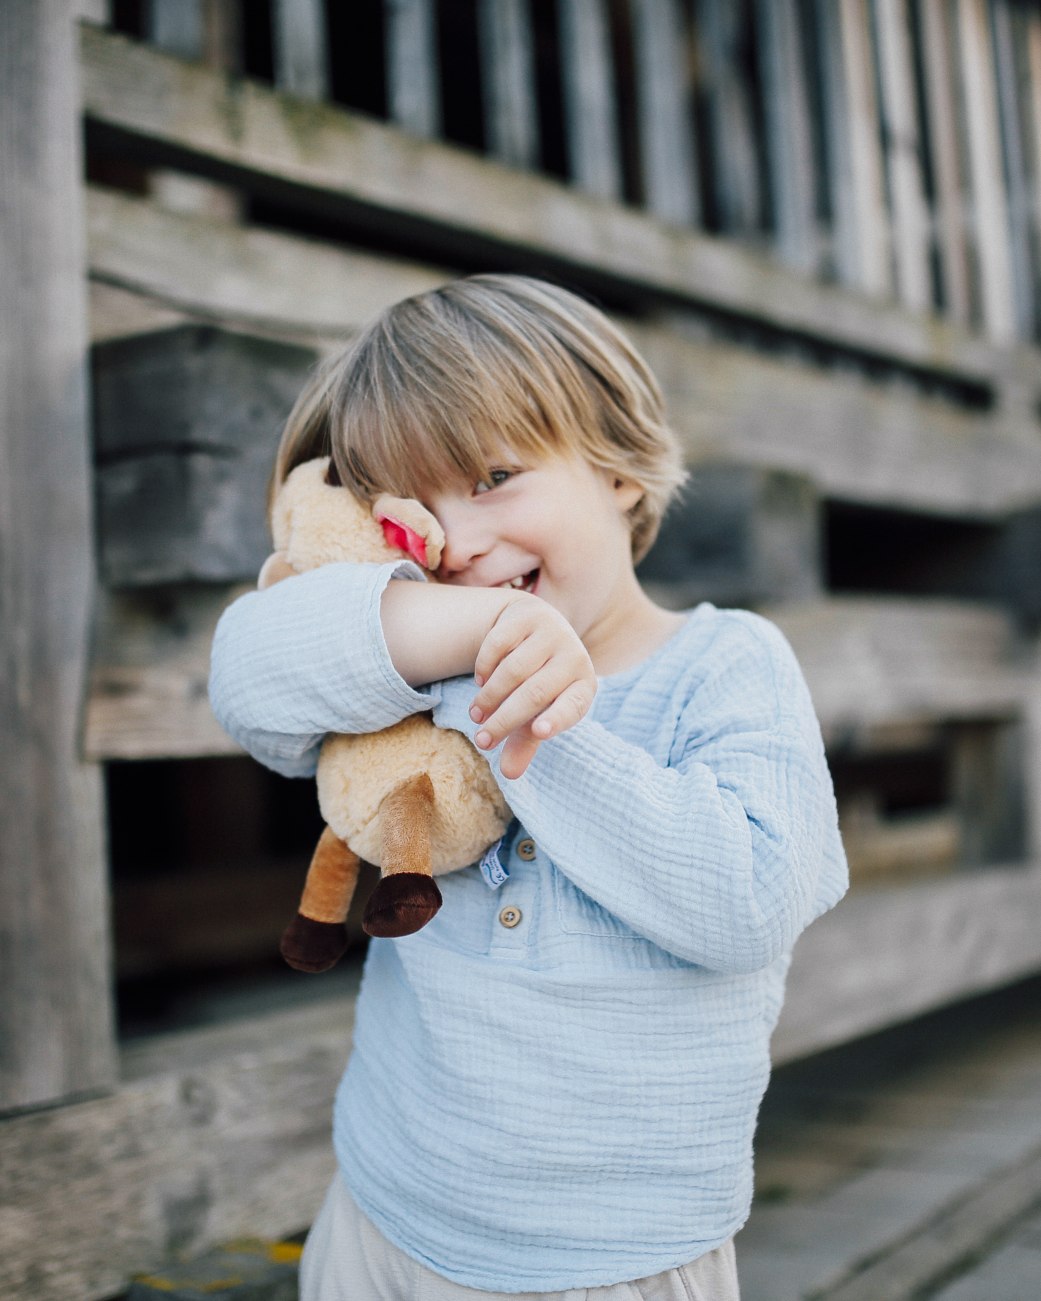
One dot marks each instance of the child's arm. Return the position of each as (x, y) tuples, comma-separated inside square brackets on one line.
[(542, 670), (307, 657), (726, 854), (341, 649)]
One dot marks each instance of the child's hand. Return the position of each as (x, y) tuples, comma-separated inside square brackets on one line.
[(536, 679)]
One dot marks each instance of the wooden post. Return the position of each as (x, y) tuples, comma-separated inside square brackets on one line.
[(56, 1022), (1005, 22)]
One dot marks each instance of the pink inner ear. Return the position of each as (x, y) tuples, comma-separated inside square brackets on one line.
[(405, 539)]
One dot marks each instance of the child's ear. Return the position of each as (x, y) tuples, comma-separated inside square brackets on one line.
[(627, 494)]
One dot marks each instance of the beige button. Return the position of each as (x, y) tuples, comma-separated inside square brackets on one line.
[(510, 917), (526, 849)]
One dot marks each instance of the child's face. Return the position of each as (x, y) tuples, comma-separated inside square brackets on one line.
[(556, 527)]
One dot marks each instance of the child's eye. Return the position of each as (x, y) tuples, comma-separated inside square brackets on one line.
[(494, 480)]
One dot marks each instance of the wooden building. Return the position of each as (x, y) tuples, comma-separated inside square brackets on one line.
[(820, 220)]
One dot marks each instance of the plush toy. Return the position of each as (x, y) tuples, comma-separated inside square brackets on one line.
[(414, 800)]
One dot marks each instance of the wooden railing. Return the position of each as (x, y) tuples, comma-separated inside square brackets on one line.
[(891, 146)]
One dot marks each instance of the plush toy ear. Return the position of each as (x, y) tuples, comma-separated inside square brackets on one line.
[(406, 539)]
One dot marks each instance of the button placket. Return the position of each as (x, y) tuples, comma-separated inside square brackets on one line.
[(513, 921)]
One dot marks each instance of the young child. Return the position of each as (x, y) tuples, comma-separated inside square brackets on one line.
[(554, 1084)]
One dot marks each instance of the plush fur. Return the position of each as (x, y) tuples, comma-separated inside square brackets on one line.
[(412, 799)]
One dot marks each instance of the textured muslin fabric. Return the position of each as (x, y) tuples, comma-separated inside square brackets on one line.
[(555, 1083), (346, 1259)]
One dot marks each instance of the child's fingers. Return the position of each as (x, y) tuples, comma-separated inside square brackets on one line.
[(533, 695), (517, 753), (516, 669)]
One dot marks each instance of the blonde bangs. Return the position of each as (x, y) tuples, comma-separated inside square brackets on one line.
[(442, 386)]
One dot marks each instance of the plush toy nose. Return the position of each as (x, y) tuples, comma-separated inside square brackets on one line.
[(399, 535)]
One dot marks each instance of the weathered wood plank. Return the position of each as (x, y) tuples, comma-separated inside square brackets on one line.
[(990, 205), (871, 662), (589, 97), (903, 155), (56, 1022), (890, 954), (949, 201), (213, 1134), (461, 203), (508, 64), (666, 113), (789, 141), (186, 425), (413, 80), (301, 52), (730, 115), (1005, 26), (872, 232), (931, 454), (148, 688)]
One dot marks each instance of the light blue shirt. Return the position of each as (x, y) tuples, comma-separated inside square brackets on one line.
[(555, 1083)]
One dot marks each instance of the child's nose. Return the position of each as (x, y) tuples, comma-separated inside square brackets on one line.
[(465, 543)]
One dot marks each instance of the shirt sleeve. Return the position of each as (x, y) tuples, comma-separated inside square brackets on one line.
[(723, 854), (307, 657)]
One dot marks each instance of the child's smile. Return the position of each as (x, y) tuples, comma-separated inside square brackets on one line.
[(558, 529)]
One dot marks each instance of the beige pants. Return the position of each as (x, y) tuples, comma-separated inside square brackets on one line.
[(346, 1259)]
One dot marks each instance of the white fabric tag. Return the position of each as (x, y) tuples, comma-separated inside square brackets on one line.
[(492, 868)]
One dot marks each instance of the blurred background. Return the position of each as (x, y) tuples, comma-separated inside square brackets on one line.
[(820, 220)]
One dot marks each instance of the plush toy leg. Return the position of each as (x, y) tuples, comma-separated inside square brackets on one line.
[(406, 897), (316, 938)]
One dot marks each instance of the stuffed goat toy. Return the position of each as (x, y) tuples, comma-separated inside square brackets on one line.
[(414, 800)]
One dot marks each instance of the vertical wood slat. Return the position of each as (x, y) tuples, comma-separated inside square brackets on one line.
[(56, 1018), (903, 156), (508, 63), (301, 48), (1032, 57), (1007, 79), (990, 210), (730, 117), (789, 140), (872, 233), (942, 112), (835, 94), (589, 97), (413, 83), (665, 112)]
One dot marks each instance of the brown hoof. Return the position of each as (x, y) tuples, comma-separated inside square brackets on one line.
[(401, 905), (308, 945)]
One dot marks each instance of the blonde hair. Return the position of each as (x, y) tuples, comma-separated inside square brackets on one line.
[(441, 384)]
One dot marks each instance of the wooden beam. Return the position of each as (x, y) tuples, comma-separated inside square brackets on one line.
[(480, 212), (56, 1021), (891, 954), (213, 1134), (929, 452)]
